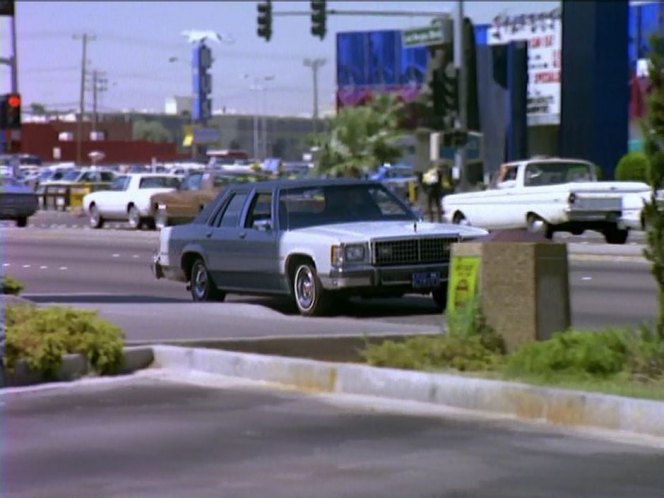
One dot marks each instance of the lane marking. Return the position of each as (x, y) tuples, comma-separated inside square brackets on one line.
[(586, 278), (63, 268), (26, 266), (5, 265), (43, 267), (116, 255), (135, 256)]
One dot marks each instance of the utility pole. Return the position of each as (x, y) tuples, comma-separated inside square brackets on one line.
[(315, 64), (79, 128), (14, 63), (462, 116), (97, 87)]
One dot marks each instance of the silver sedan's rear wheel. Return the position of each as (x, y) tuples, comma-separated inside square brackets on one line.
[(308, 291), (201, 284)]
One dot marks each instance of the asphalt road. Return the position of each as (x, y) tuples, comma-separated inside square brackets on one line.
[(151, 436), (109, 270)]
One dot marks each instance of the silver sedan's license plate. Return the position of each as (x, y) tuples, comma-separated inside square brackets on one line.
[(427, 279)]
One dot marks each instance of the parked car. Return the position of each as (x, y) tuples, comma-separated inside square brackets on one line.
[(196, 190), (311, 239), (546, 195), (129, 198), (17, 202)]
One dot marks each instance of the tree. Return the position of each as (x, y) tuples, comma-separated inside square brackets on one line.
[(360, 138), (653, 127), (37, 109), (152, 131)]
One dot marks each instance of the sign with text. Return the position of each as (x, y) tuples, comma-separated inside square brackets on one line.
[(543, 33), (424, 36), (463, 280)]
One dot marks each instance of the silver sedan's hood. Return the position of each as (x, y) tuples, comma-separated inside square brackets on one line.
[(364, 230)]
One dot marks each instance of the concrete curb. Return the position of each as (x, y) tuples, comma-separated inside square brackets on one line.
[(555, 406), (75, 366)]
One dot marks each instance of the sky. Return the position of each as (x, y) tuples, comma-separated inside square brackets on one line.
[(146, 59)]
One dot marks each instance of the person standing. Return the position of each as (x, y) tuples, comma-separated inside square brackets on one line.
[(432, 181)]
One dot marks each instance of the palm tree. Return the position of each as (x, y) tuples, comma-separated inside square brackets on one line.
[(361, 138)]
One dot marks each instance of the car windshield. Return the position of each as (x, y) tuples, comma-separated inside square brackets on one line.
[(71, 176), (311, 206), (555, 173)]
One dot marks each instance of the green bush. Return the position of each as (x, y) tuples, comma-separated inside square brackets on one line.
[(40, 336), (633, 166), (582, 355), (470, 345), (11, 286)]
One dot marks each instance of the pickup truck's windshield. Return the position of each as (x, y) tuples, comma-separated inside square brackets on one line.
[(326, 205), (555, 173)]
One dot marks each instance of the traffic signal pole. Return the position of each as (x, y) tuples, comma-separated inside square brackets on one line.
[(14, 64), (462, 116)]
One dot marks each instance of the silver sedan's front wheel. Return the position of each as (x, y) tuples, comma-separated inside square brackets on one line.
[(309, 294)]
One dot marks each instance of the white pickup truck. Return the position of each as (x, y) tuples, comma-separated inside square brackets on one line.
[(546, 195)]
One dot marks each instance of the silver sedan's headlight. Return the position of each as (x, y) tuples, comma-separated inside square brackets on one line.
[(355, 253)]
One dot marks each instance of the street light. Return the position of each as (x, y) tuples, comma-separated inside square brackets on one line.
[(315, 64), (259, 128)]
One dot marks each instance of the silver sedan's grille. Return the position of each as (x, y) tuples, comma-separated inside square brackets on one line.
[(412, 251)]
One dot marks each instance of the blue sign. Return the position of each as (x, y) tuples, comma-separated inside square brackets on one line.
[(201, 61)]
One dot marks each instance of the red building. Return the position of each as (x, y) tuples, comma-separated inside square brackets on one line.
[(56, 141)]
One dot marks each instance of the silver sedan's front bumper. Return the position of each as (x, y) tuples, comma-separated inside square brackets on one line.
[(369, 277)]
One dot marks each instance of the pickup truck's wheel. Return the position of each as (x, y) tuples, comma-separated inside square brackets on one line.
[(22, 221), (201, 285), (535, 224), (615, 235), (134, 218), (95, 218), (309, 294), (440, 297)]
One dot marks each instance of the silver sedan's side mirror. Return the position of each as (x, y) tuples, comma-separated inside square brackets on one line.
[(263, 225)]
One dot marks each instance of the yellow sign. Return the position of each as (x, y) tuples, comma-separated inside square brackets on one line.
[(462, 285)]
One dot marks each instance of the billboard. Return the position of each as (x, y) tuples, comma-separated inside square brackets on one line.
[(644, 20), (370, 62), (543, 34)]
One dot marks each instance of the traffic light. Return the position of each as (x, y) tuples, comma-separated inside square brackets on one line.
[(318, 18), (10, 112), (442, 82), (7, 8), (265, 20)]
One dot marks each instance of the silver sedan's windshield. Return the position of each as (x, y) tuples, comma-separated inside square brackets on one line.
[(311, 206)]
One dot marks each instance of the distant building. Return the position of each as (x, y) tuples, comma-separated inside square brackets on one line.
[(178, 106)]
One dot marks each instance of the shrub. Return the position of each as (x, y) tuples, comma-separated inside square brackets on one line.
[(470, 345), (40, 336), (11, 286), (433, 353), (633, 166), (581, 354)]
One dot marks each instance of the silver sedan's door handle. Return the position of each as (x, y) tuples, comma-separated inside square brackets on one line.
[(208, 234), (243, 235)]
